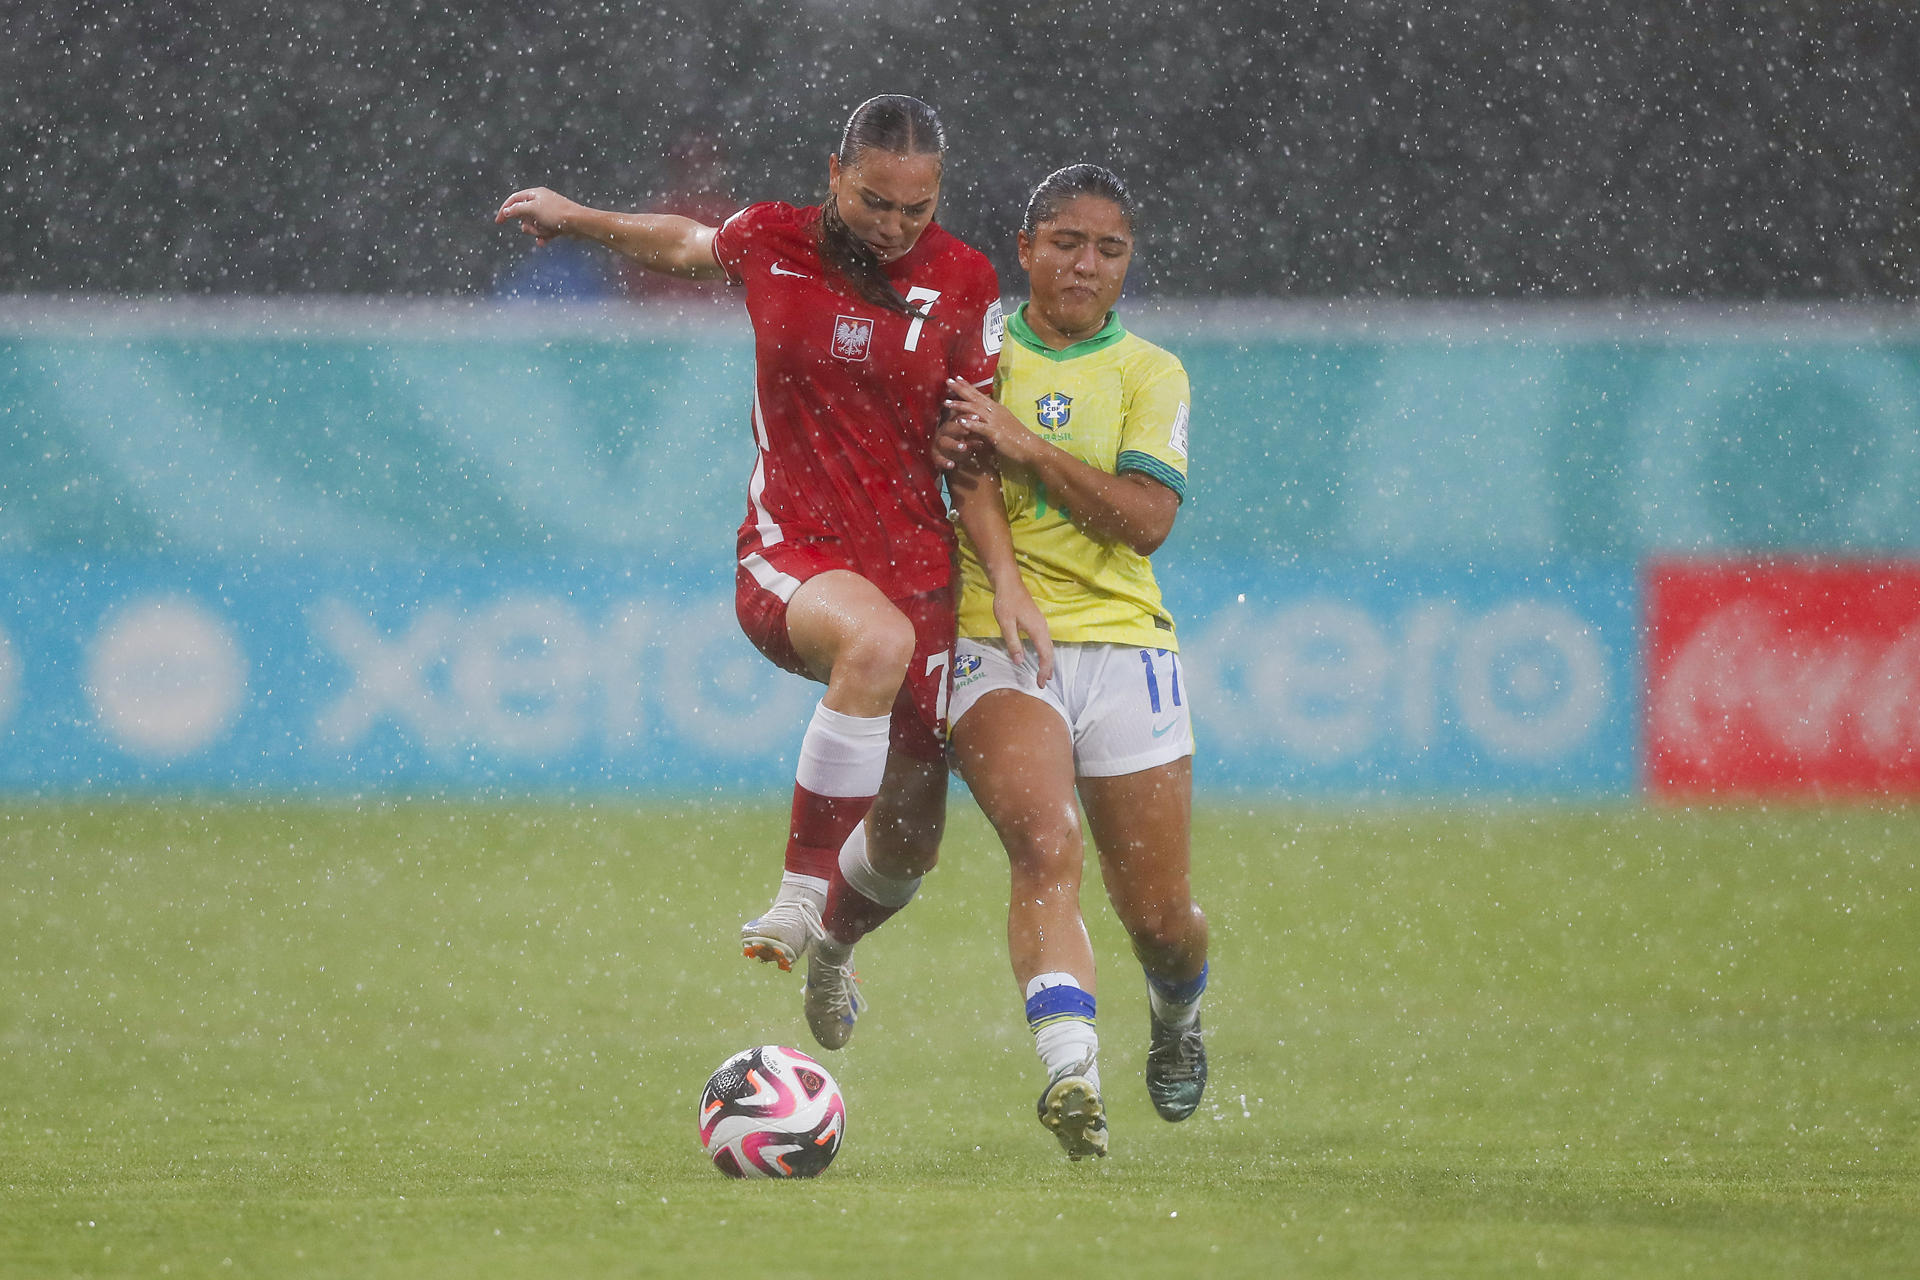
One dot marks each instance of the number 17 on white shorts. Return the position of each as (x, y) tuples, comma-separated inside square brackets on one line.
[(1125, 707)]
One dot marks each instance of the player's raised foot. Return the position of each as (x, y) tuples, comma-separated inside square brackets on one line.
[(1071, 1107), (1176, 1068), (833, 1001), (782, 933)]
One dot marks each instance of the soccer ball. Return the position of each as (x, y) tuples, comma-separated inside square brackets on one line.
[(771, 1112)]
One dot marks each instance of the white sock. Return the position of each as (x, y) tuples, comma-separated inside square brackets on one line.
[(796, 887), (1061, 1013), (868, 880), (843, 755)]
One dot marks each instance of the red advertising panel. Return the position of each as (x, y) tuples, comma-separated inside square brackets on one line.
[(1784, 677)]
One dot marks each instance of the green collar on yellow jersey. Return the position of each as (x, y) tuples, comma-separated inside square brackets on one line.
[(1110, 333)]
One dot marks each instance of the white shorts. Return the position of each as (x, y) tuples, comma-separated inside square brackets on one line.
[(1125, 707)]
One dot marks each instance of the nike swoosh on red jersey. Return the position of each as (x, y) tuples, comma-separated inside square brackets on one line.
[(779, 271)]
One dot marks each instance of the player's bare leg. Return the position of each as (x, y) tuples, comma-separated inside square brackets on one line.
[(856, 641), (1015, 753), (853, 639), (908, 819), (1142, 824), (879, 872)]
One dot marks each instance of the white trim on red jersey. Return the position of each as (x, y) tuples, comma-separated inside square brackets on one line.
[(770, 531), (770, 578)]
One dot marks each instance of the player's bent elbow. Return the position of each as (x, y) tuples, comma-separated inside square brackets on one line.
[(1147, 542), (1147, 517), (1147, 536)]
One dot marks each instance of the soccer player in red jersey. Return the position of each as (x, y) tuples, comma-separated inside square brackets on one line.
[(862, 308)]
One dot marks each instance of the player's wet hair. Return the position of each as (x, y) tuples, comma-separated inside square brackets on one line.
[(1063, 185), (899, 126)]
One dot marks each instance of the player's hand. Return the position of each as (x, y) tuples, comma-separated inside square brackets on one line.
[(954, 445), (978, 416), (541, 213), (1017, 614)]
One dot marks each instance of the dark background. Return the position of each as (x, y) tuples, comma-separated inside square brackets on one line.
[(1468, 148)]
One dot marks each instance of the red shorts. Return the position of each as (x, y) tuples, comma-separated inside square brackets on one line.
[(766, 581)]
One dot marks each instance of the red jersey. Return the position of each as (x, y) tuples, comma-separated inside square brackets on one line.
[(847, 395)]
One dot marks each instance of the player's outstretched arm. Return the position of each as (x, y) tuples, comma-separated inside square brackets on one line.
[(661, 242), (982, 510)]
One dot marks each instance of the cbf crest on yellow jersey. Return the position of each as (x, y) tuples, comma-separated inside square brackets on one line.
[(1116, 402)]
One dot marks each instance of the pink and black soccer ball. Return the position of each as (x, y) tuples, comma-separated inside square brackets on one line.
[(771, 1112)]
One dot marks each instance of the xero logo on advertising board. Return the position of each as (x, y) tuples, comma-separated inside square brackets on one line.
[(1433, 682), (537, 678)]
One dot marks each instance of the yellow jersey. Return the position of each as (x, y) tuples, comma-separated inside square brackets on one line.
[(1116, 402)]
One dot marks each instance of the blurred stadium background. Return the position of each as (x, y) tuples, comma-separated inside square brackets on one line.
[(1710, 149)]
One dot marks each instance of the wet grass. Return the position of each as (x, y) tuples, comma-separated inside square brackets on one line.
[(439, 1039)]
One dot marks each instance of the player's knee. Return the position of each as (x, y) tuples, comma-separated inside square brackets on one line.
[(1045, 854), (877, 657)]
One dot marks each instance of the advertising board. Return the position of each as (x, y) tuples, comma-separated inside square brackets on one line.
[(537, 675), (1783, 676)]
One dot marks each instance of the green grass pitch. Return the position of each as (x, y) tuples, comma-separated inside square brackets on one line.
[(443, 1039)]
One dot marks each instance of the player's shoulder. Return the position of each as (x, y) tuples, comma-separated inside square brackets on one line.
[(771, 216), (1144, 360), (952, 254), (1142, 351), (1017, 359)]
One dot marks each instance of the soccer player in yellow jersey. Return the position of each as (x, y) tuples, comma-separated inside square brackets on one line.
[(1088, 431)]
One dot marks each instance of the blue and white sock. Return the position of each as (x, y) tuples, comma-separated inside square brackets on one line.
[(1061, 1014), (1177, 1003)]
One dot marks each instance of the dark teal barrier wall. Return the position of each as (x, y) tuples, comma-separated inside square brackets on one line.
[(1503, 438), (458, 440), (1488, 435)]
